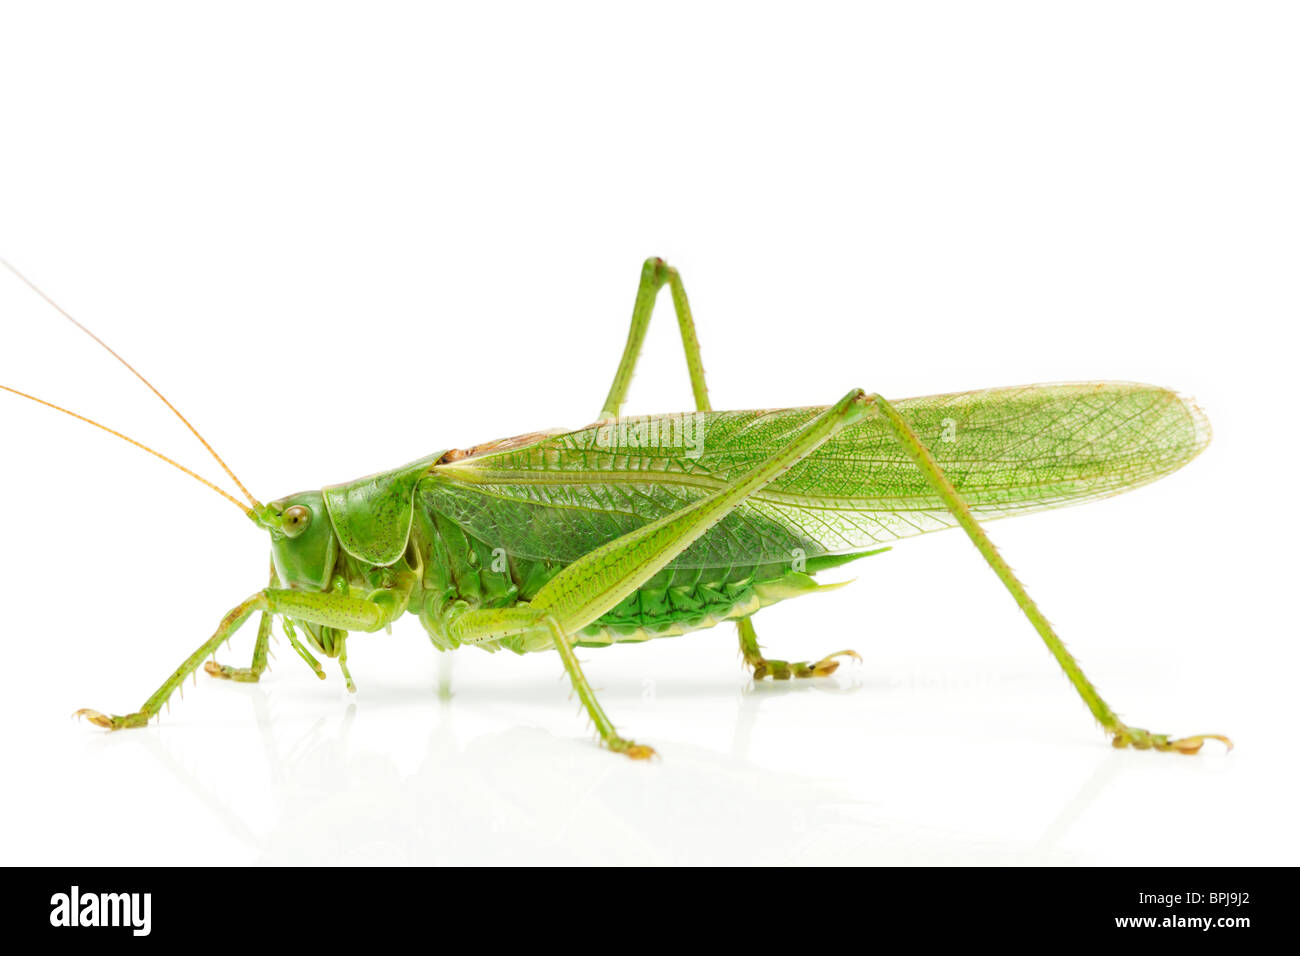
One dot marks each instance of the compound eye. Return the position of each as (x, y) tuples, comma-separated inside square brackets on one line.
[(296, 520)]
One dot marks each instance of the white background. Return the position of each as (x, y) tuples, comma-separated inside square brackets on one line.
[(341, 236)]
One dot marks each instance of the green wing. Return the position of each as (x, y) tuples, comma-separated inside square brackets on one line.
[(1009, 451)]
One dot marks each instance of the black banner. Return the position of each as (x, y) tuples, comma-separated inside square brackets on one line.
[(1224, 906)]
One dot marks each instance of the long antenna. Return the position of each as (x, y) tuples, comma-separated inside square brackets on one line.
[(64, 312), (89, 421)]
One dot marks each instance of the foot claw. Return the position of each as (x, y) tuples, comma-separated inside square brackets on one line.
[(1191, 745), (96, 718), (1140, 739), (828, 665), (630, 749), (112, 722)]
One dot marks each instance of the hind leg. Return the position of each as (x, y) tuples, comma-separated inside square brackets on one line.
[(1121, 734), (655, 274)]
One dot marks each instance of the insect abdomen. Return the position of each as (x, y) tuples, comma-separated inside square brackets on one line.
[(667, 609)]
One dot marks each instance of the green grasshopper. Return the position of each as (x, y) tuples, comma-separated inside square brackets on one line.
[(631, 529)]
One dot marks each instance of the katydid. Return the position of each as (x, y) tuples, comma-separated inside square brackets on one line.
[(631, 529)]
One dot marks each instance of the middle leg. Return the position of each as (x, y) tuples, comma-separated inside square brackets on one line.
[(1121, 734), (783, 670)]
